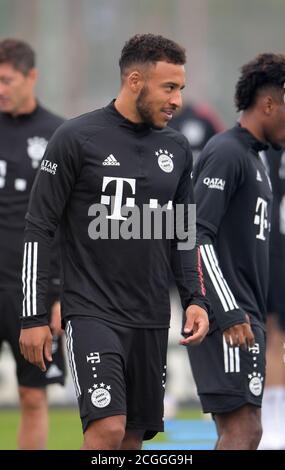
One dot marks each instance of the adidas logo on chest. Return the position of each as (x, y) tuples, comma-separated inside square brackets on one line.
[(111, 161)]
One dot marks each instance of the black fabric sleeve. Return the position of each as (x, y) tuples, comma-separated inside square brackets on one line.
[(224, 305), (216, 178), (185, 263), (54, 282), (57, 176)]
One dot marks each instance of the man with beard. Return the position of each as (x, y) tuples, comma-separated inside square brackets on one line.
[(234, 201), (114, 161)]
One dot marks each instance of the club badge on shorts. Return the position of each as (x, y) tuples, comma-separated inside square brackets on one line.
[(255, 383), (100, 395)]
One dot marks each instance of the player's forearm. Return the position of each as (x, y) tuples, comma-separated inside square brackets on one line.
[(187, 270), (224, 305), (35, 275), (54, 283)]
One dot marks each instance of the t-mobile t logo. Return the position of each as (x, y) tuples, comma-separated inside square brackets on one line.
[(260, 217), (118, 197)]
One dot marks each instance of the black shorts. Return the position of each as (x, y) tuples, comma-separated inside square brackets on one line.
[(228, 377), (118, 371), (28, 375)]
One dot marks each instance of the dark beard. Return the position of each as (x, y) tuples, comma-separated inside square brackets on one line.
[(276, 146), (143, 108)]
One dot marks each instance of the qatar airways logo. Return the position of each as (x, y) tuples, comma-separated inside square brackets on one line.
[(118, 217), (214, 183)]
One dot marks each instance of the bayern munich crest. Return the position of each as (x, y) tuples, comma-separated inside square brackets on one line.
[(165, 161), (100, 395), (36, 149), (255, 383)]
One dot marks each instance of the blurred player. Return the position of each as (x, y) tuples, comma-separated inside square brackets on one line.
[(198, 123), (25, 128)]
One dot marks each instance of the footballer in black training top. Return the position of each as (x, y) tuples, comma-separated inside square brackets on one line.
[(100, 172), (234, 204), (23, 140)]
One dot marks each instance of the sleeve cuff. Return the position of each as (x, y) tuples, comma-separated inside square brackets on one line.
[(34, 322)]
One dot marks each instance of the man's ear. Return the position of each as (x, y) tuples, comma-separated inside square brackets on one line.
[(268, 104), (33, 75), (135, 81)]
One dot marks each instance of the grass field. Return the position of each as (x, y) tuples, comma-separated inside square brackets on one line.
[(65, 428)]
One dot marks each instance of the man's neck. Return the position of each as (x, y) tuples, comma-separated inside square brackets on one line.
[(249, 120), (26, 108), (127, 108)]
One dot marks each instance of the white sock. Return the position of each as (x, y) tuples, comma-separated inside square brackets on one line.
[(272, 422), (282, 417)]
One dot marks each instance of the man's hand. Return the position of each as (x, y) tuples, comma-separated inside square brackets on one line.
[(35, 344), (240, 335), (55, 323), (196, 325)]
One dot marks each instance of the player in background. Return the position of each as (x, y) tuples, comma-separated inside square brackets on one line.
[(198, 122), (25, 128), (234, 198)]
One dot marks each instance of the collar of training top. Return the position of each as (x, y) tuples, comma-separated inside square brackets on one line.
[(124, 122), (22, 117), (250, 140)]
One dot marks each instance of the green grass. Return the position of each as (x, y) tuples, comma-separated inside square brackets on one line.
[(65, 428), (64, 432), (189, 413)]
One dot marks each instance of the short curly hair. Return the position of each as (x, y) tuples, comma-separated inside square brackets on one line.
[(150, 48), (17, 53), (265, 71)]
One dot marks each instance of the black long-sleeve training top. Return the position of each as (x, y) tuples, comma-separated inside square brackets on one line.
[(23, 140), (103, 161), (233, 195)]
